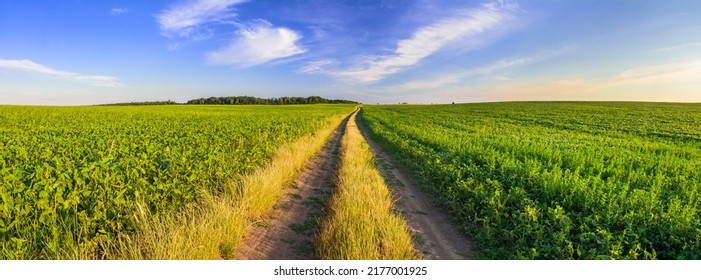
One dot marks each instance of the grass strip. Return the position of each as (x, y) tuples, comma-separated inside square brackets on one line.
[(361, 224), (216, 227)]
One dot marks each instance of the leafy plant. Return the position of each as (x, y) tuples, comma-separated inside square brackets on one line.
[(558, 180), (71, 177)]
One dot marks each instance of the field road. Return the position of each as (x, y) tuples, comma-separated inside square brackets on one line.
[(436, 236), (288, 231)]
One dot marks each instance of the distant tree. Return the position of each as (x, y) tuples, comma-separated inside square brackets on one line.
[(241, 100), (168, 102)]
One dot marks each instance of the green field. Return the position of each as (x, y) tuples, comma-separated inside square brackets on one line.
[(71, 177), (557, 180)]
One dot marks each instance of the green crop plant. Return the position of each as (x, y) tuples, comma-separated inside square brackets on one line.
[(71, 177), (557, 180)]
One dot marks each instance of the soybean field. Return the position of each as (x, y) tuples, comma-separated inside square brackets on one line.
[(557, 180), (71, 178)]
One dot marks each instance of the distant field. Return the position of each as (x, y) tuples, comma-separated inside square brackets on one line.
[(558, 180), (71, 176)]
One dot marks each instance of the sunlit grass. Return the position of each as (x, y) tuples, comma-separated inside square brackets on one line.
[(361, 223), (216, 228), (146, 182)]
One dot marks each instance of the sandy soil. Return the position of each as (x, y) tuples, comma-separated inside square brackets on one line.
[(435, 235), (288, 231)]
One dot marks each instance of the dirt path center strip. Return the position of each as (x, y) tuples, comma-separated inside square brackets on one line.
[(287, 232), (435, 236)]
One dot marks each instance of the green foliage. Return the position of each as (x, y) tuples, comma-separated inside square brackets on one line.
[(144, 103), (250, 100), (558, 180), (71, 177)]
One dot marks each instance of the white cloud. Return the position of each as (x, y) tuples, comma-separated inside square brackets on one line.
[(426, 41), (118, 11), (184, 18), (663, 82), (677, 47), (454, 78), (256, 44), (316, 66), (32, 67), (673, 72)]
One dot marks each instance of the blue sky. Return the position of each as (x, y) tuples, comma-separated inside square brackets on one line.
[(74, 52)]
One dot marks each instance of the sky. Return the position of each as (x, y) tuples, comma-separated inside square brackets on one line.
[(77, 52)]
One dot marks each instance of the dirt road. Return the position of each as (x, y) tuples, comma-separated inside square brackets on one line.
[(288, 231), (435, 235)]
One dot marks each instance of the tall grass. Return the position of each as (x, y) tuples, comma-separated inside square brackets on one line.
[(75, 180), (216, 227), (361, 223)]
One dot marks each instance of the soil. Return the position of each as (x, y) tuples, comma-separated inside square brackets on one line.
[(436, 236), (288, 230)]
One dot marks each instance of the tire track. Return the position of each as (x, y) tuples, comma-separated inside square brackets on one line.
[(287, 232), (435, 235)]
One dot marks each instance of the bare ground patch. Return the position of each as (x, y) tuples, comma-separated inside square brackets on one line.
[(287, 232), (435, 235)]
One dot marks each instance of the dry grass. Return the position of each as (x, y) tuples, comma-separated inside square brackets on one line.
[(215, 228), (361, 223)]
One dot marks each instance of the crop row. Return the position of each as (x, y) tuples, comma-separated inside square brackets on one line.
[(558, 180), (71, 177)]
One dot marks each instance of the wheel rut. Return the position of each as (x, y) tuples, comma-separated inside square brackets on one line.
[(287, 232), (436, 236)]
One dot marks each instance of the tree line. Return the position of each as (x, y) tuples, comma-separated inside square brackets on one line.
[(243, 100), (167, 102)]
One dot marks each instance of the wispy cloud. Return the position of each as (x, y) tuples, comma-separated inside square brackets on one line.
[(185, 18), (662, 82), (457, 77), (255, 42), (657, 74), (677, 47), (427, 40), (33, 67), (259, 43), (118, 11), (316, 66), (460, 76)]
